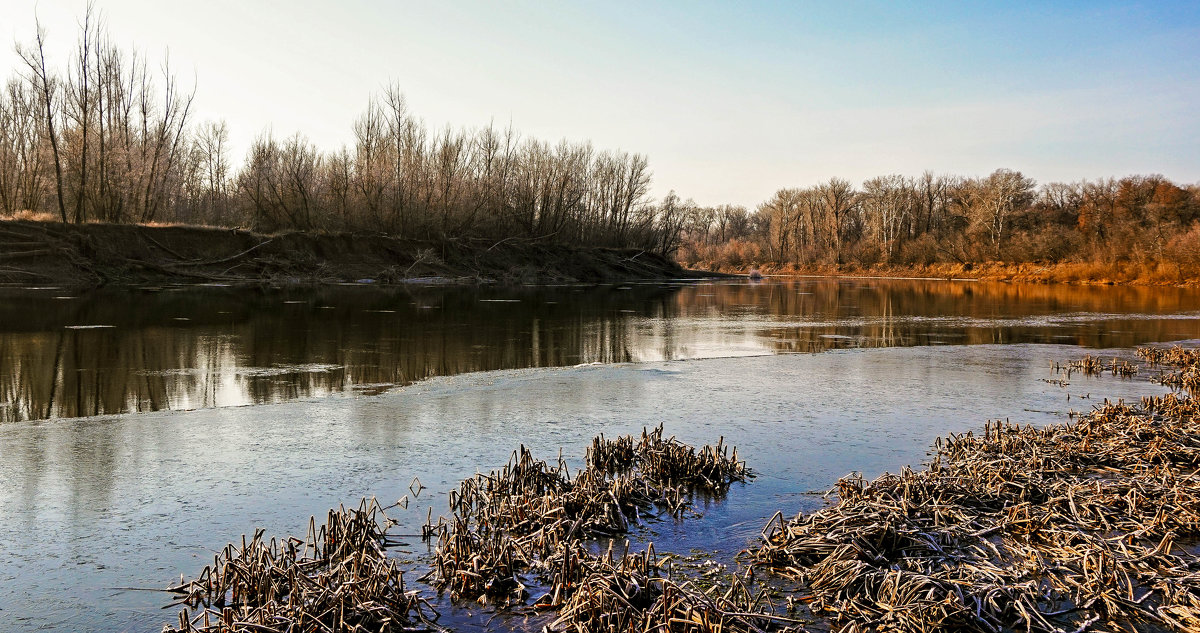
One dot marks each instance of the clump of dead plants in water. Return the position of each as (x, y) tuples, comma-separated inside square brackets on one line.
[(1187, 360), (531, 517), (528, 517), (337, 579), (1174, 355), (630, 593), (667, 461), (1094, 366), (1019, 528)]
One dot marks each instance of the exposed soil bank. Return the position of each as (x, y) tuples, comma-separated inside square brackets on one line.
[(1125, 273), (102, 254)]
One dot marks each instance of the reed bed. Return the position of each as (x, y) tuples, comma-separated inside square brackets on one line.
[(1090, 524), (532, 519), (337, 579), (1174, 355), (1186, 360), (519, 517), (1094, 366), (630, 593)]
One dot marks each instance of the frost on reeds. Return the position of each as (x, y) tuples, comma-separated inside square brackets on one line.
[(532, 518), (1064, 528), (337, 579)]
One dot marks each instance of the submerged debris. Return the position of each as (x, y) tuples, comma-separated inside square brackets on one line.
[(1020, 528)]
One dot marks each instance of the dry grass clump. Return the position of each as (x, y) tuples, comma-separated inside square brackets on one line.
[(1019, 528), (532, 518), (519, 517), (1174, 355), (1094, 366), (25, 215), (337, 579), (1188, 378), (1187, 360), (668, 461), (630, 593)]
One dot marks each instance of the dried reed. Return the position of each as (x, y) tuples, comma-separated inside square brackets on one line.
[(337, 579), (532, 518), (1020, 528)]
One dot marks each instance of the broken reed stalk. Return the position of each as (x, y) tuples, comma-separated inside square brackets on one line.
[(533, 518), (336, 579), (1020, 528)]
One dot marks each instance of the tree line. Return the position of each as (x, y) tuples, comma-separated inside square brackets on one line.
[(111, 139), (908, 221)]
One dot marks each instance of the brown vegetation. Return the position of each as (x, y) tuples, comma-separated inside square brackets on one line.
[(339, 578), (1139, 229), (1127, 273), (1019, 528)]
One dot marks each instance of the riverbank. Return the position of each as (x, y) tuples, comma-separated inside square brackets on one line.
[(1086, 273), (91, 255)]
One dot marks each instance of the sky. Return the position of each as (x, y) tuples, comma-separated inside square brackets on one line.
[(729, 100)]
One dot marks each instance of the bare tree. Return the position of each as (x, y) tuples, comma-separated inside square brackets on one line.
[(887, 202), (993, 200), (212, 147), (837, 199), (47, 86), (21, 141)]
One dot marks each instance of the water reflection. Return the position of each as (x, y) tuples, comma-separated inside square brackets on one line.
[(117, 351)]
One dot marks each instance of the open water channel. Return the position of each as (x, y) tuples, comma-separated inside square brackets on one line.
[(143, 429)]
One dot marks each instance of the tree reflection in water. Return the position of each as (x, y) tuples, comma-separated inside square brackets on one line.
[(209, 347)]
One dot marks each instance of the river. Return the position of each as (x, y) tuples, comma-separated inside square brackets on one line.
[(142, 429)]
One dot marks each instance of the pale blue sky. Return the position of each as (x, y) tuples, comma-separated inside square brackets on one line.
[(729, 101)]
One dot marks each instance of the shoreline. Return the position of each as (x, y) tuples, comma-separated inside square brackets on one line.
[(95, 255), (1069, 273)]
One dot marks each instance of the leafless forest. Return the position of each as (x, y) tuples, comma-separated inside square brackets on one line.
[(110, 137), (929, 219)]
